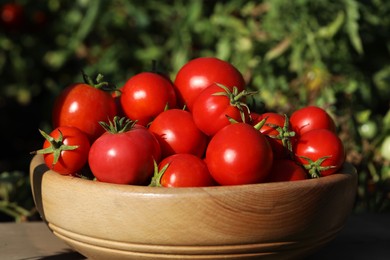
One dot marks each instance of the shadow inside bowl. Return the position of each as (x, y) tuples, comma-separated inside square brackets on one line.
[(36, 187)]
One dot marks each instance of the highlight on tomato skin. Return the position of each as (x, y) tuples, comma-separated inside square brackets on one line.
[(199, 73), (65, 150), (320, 152), (309, 118), (239, 154), (133, 128), (84, 105), (146, 95), (182, 170)]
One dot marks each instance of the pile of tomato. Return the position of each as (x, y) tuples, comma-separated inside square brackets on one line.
[(196, 130)]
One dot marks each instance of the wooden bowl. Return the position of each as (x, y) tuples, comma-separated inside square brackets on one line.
[(270, 220)]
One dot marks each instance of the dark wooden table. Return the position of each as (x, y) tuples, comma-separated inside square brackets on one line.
[(365, 236)]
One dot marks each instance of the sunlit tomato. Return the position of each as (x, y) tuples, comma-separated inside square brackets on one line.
[(239, 154), (182, 170), (320, 151), (286, 170), (84, 106), (311, 117), (177, 133), (146, 95), (65, 150), (278, 132), (124, 157), (215, 105), (199, 73)]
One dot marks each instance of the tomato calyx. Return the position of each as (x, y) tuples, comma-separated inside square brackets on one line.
[(315, 168), (99, 83), (118, 125), (235, 98), (158, 174), (56, 147), (284, 133)]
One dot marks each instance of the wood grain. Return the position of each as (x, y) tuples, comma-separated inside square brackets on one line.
[(273, 220)]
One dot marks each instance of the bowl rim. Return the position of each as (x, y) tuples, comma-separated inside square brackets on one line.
[(346, 172)]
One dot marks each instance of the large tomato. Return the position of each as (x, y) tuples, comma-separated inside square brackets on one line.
[(239, 154), (277, 129), (124, 155), (199, 73), (177, 133), (182, 170), (311, 117), (216, 105), (83, 106), (65, 150), (320, 151), (146, 95)]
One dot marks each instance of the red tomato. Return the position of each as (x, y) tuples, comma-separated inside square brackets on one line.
[(12, 16), (309, 118), (239, 154), (124, 157), (182, 170), (215, 105), (84, 106), (286, 170), (177, 133), (199, 73), (146, 95), (320, 151), (278, 132), (65, 150)]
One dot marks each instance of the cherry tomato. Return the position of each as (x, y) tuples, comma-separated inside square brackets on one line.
[(311, 117), (177, 133), (278, 132), (182, 170), (83, 106), (215, 105), (12, 16), (199, 73), (124, 156), (146, 95), (320, 151), (239, 154), (286, 170), (65, 150)]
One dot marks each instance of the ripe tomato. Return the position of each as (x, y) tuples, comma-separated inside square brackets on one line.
[(286, 170), (199, 73), (215, 105), (123, 155), (12, 16), (320, 151), (182, 170), (278, 132), (146, 95), (239, 154), (311, 117), (65, 150), (83, 106), (177, 133)]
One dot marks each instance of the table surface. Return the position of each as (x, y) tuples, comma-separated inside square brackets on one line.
[(365, 236)]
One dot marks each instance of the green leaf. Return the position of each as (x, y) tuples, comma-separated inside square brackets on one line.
[(352, 25), (331, 29)]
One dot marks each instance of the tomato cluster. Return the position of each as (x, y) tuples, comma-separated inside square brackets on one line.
[(197, 130)]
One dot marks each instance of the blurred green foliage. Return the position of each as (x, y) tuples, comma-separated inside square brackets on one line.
[(335, 54)]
